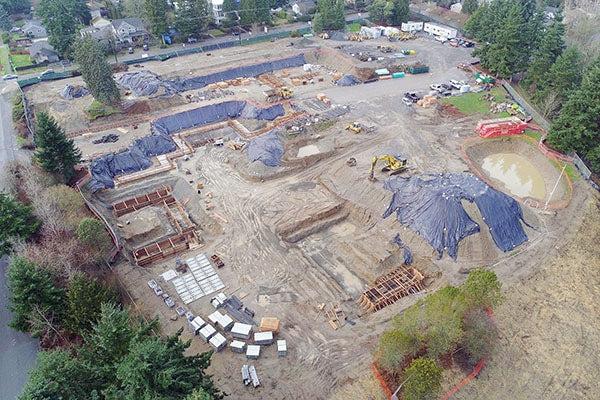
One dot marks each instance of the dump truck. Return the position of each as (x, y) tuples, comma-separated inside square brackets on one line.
[(282, 93), (393, 164)]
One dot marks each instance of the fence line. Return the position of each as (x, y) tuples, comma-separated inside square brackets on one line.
[(543, 122)]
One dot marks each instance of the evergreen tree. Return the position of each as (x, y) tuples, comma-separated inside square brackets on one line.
[(247, 12), (550, 47), (564, 75), (32, 290), (329, 16), (470, 6), (85, 297), (228, 6), (156, 13), (5, 22), (80, 10), (423, 380), (96, 72), (192, 17), (577, 128), (55, 153), (16, 222), (399, 12), (61, 21), (263, 11), (199, 394)]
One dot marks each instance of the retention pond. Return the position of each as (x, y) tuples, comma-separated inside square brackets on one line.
[(516, 173)]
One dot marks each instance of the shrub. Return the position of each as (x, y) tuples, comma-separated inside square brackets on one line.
[(423, 380), (481, 289)]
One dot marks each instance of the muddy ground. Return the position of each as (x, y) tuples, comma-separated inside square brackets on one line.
[(310, 232)]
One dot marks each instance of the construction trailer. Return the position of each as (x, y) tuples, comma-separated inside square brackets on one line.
[(389, 288), (411, 26), (440, 30), (490, 128)]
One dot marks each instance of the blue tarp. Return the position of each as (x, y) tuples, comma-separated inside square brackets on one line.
[(348, 80), (247, 71), (431, 206), (407, 253), (267, 149), (137, 156)]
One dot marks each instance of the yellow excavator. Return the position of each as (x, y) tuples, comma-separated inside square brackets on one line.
[(393, 164)]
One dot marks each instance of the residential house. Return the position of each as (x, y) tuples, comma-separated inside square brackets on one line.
[(34, 29), (130, 30), (303, 7), (100, 22), (42, 52), (98, 33), (217, 11)]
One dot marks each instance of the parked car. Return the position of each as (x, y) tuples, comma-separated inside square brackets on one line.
[(130, 50), (453, 43), (467, 44), (152, 284), (441, 39), (412, 96), (407, 101), (456, 84), (9, 77), (436, 86), (445, 93), (446, 86)]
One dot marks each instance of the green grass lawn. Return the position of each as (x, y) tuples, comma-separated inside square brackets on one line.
[(216, 32), (21, 60), (533, 134), (472, 103), (6, 69), (353, 27)]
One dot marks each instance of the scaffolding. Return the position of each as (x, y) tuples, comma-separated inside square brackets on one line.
[(389, 288)]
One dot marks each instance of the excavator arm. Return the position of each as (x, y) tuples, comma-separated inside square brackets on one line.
[(393, 164)]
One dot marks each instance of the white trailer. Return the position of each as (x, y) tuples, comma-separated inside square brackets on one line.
[(411, 26), (440, 30)]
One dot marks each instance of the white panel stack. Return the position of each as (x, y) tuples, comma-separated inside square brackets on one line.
[(252, 351), (281, 348), (241, 331), (237, 346), (218, 341), (264, 338), (187, 288), (207, 332), (205, 274), (196, 324)]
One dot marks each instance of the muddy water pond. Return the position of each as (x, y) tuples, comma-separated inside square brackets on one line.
[(518, 175), (309, 150)]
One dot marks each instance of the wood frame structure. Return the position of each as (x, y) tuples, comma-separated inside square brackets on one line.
[(136, 203), (389, 288), (167, 247)]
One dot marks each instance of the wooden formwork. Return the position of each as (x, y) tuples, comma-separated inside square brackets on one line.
[(135, 203), (166, 247), (389, 288)]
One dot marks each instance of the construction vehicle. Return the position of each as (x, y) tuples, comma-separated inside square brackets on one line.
[(282, 93), (393, 164), (355, 127), (351, 162)]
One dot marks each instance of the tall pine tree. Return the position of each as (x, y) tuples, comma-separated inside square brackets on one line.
[(263, 11), (550, 47), (156, 14), (96, 72), (247, 12), (577, 128), (192, 17), (55, 153), (329, 16)]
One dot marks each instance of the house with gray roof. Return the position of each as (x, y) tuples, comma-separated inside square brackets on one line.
[(43, 52), (130, 30), (34, 29)]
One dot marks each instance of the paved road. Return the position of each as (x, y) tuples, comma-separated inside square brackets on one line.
[(17, 350)]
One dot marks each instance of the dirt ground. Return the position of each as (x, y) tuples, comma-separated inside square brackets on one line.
[(310, 232)]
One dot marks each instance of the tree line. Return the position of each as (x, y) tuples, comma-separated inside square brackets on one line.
[(518, 42)]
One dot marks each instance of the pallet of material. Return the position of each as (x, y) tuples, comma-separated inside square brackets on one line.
[(389, 288), (269, 324)]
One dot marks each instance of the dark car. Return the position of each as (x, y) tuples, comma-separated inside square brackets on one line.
[(412, 96), (468, 44), (446, 86)]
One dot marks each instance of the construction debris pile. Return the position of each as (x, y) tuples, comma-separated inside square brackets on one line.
[(431, 206), (348, 80), (71, 92), (427, 101), (145, 83), (267, 149)]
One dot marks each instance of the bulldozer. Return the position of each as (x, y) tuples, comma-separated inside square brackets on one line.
[(355, 127), (282, 93), (393, 164)]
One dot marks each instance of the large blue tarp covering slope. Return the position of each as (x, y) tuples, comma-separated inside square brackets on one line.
[(431, 206), (247, 71), (137, 156), (267, 149)]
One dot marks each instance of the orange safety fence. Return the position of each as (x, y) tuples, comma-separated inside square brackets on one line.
[(382, 382)]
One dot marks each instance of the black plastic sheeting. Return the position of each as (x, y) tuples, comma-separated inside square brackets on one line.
[(267, 149), (431, 206), (247, 71), (137, 156), (348, 80), (407, 253), (145, 83), (214, 113)]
